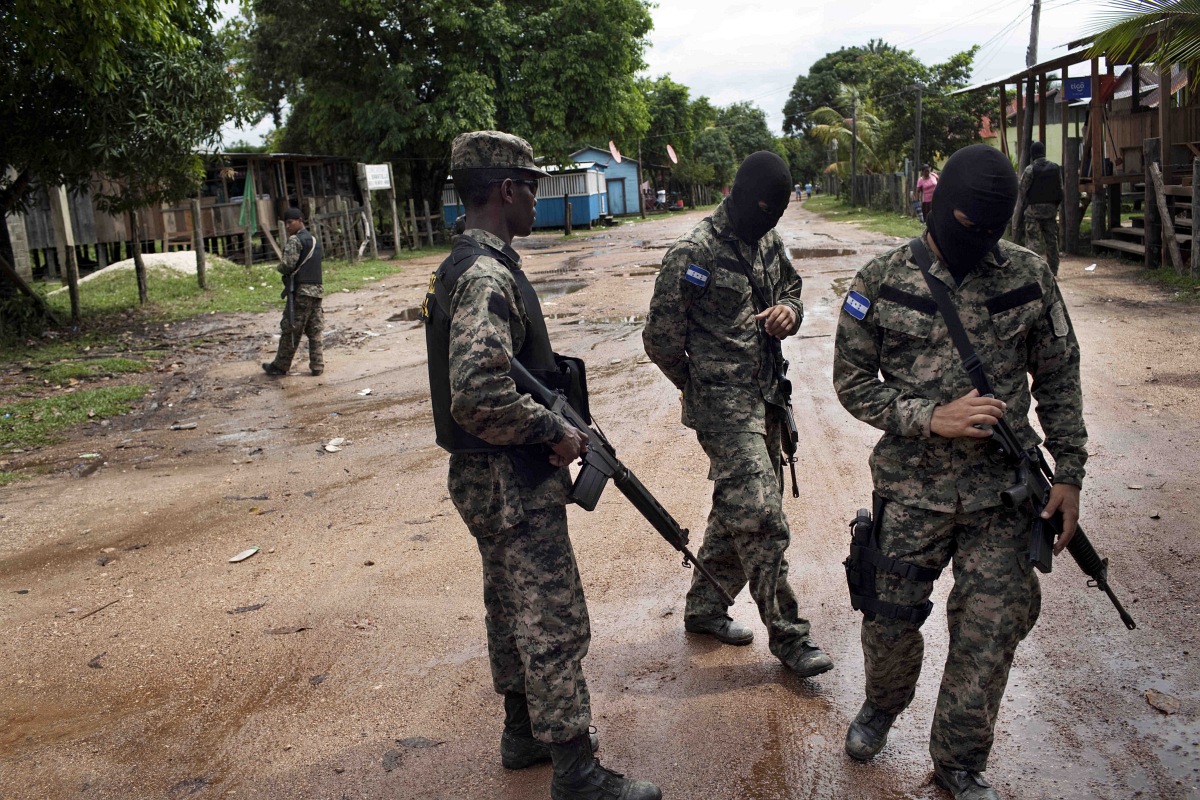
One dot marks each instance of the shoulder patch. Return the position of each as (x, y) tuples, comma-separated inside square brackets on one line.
[(1058, 318), (856, 305), (696, 275)]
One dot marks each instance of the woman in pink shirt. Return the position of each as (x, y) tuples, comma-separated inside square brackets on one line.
[(925, 186)]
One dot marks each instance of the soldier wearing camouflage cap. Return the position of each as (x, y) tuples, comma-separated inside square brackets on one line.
[(937, 485), (508, 476)]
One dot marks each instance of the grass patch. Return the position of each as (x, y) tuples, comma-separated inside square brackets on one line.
[(10, 477), (83, 370), (231, 288), (34, 423), (1186, 289), (833, 208)]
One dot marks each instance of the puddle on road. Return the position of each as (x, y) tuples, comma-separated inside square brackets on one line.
[(407, 315), (549, 289), (644, 269), (841, 285), (820, 252), (631, 319)]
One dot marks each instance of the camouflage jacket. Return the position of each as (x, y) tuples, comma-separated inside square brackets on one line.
[(897, 362), (488, 325), (701, 330)]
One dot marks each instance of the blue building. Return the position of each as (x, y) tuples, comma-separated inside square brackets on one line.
[(621, 179), (583, 184)]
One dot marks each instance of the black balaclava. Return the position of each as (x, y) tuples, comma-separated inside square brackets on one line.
[(980, 182), (763, 176), (1037, 150)]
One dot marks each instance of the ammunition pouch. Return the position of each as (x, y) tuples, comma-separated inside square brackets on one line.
[(866, 559)]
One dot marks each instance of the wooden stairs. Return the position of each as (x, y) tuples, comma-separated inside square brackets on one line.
[(1130, 238)]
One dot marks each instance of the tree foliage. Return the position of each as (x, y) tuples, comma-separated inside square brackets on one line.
[(120, 87), (372, 79), (746, 126), (1171, 27)]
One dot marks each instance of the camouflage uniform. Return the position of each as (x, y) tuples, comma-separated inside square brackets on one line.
[(308, 316), (537, 620), (942, 494), (701, 333), (1041, 220)]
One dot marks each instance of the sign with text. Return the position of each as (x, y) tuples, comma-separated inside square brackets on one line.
[(1077, 88), (378, 177)]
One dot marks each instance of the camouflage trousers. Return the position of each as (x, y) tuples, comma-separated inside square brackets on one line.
[(537, 621), (992, 607), (309, 320), (748, 534), (1041, 236)]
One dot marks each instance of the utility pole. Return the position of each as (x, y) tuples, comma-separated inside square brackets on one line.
[(854, 149), (1030, 94)]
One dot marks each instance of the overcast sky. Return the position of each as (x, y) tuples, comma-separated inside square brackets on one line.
[(755, 50)]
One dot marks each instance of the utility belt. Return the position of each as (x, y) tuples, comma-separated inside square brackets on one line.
[(866, 559)]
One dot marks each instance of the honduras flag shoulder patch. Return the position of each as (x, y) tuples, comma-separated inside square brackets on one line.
[(696, 275), (856, 305)]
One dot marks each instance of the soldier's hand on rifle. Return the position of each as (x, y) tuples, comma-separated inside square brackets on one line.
[(778, 321), (1065, 498), (571, 446), (962, 416)]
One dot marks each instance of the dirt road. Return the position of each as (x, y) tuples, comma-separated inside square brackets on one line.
[(347, 658)]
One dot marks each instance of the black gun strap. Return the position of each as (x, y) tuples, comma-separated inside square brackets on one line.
[(760, 300), (958, 334)]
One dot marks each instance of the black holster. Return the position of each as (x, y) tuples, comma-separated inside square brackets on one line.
[(866, 559)]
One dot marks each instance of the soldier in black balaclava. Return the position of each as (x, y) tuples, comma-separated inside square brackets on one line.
[(1041, 195), (936, 481), (726, 295)]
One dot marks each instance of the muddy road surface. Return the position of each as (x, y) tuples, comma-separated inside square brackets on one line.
[(347, 658)]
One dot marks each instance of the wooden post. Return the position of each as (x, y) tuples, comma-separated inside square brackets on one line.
[(1063, 145), (64, 235), (310, 218), (395, 216), (567, 212), (1168, 224), (1164, 116), (1041, 85), (1095, 125), (1195, 219), (198, 243), (139, 265), (428, 222), (1022, 145), (347, 230), (1071, 215), (1151, 220), (412, 215), (1003, 123), (366, 193)]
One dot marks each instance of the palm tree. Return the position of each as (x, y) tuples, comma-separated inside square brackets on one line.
[(831, 126), (1149, 31)]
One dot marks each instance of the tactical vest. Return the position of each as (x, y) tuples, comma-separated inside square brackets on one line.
[(1046, 186), (535, 353), (310, 258)]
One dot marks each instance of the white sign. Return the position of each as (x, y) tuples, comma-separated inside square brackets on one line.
[(378, 177)]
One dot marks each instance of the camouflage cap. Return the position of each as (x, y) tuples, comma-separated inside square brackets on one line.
[(492, 150)]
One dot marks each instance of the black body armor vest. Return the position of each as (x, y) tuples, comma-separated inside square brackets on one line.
[(1046, 186), (535, 353), (309, 270)]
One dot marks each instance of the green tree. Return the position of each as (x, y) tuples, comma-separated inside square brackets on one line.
[(821, 85), (838, 128), (805, 157), (391, 81), (1170, 27), (712, 147), (746, 126)]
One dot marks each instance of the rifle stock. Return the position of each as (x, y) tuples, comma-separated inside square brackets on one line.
[(600, 463)]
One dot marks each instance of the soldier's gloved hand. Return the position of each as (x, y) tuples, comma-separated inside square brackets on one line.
[(960, 417), (571, 446), (1065, 498), (778, 321)]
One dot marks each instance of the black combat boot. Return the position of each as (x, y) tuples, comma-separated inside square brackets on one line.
[(807, 660), (579, 776), (963, 783), (868, 732), (518, 748)]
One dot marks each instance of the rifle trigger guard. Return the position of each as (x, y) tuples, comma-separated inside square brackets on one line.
[(686, 564)]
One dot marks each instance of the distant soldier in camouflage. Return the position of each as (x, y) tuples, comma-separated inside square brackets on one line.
[(302, 291), (938, 485), (1041, 195), (507, 471), (723, 289)]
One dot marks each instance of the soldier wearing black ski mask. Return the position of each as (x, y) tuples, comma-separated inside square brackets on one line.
[(973, 203), (760, 195)]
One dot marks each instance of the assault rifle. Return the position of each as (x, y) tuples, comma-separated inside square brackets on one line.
[(1032, 490), (791, 436), (600, 463)]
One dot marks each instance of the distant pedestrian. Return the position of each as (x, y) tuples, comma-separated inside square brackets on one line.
[(303, 290), (924, 192), (1041, 195), (808, 189), (799, 189)]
